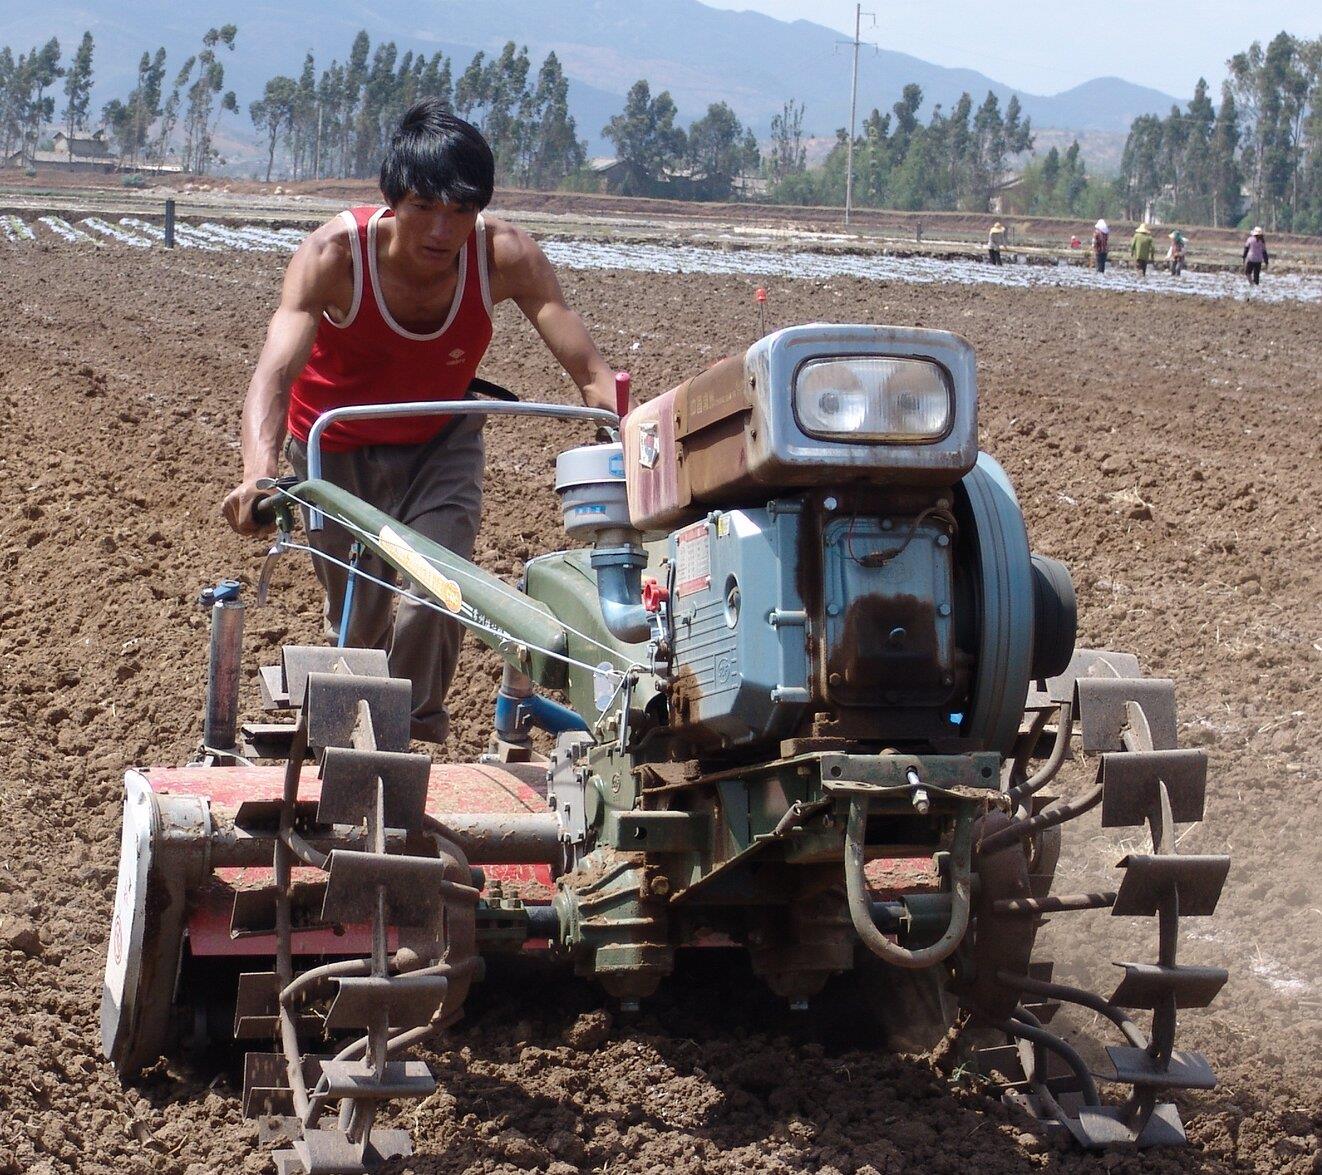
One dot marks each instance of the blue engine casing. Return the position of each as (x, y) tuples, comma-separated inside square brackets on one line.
[(742, 670)]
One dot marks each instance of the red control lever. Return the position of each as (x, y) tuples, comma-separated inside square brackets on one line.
[(654, 595), (623, 384)]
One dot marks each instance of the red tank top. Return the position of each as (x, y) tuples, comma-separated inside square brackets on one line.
[(370, 359)]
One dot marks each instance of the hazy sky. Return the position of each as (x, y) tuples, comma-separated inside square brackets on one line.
[(1045, 46)]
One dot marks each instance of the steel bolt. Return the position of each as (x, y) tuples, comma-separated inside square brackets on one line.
[(943, 540), (943, 610), (829, 503)]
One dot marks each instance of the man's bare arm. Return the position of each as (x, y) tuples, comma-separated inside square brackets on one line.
[(310, 287), (526, 276)]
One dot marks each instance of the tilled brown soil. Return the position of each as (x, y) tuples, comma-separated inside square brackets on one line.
[(1166, 448)]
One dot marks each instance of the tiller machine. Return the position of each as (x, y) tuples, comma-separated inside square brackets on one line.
[(814, 690)]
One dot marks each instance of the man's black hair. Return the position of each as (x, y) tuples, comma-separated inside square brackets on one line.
[(437, 156)]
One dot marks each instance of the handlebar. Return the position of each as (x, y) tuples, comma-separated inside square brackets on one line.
[(438, 408)]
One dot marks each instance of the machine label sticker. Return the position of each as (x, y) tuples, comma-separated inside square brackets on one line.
[(692, 560), (649, 446), (417, 568)]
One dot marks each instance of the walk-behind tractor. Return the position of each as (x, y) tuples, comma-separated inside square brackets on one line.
[(815, 690)]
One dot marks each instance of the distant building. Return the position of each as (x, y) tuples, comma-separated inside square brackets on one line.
[(608, 173), (79, 153), (609, 176), (1008, 197)]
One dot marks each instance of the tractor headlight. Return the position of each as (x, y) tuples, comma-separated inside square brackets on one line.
[(874, 399)]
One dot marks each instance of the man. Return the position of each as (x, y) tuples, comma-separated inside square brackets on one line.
[(995, 239), (392, 304), (1141, 248), (1101, 244)]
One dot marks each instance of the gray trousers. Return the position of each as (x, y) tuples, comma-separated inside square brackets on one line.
[(436, 489)]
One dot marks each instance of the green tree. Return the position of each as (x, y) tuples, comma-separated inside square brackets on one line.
[(355, 79), (130, 120), (11, 114), (557, 151), (647, 139), (1141, 165), (788, 154), (470, 91), (273, 113), (207, 97), (911, 187), (906, 118), (78, 87), (718, 153), (1074, 179), (374, 110), (1310, 198), (1271, 89), (1226, 178), (436, 81), (872, 161), (506, 95), (36, 74), (304, 116)]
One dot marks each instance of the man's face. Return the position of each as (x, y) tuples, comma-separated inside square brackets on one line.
[(432, 232)]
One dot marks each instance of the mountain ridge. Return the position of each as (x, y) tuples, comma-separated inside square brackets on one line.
[(701, 55)]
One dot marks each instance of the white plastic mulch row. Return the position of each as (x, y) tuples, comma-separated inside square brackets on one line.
[(695, 259), (255, 239), (920, 270), (97, 225), (63, 229), (184, 235), (15, 230)]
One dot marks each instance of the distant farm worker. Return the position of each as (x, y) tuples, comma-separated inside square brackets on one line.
[(1101, 244), (1255, 255), (995, 239), (1175, 254), (1141, 248), (394, 303)]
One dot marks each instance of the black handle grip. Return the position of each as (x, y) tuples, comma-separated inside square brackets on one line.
[(263, 511)]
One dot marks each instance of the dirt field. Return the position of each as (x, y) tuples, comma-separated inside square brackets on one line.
[(1166, 448)]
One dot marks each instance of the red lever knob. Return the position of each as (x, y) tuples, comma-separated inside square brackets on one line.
[(623, 383), (654, 595)]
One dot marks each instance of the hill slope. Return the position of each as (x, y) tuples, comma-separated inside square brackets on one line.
[(701, 54)]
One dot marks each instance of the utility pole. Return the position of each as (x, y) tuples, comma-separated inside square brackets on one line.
[(853, 110)]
